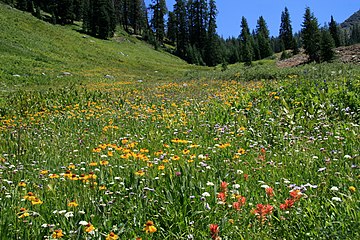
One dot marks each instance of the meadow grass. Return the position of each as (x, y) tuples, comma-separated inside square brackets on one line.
[(190, 153)]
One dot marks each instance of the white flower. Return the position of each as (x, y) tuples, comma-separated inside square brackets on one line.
[(83, 223), (62, 211), (347, 156), (205, 194), (337, 199), (81, 212), (69, 214), (239, 172), (334, 188), (321, 169), (210, 183), (264, 186), (236, 186)]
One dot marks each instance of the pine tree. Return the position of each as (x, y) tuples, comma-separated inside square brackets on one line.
[(171, 27), (212, 48), (311, 36), (263, 38), (355, 34), (181, 28), (99, 18), (158, 21), (285, 32), (198, 20), (327, 46), (245, 39), (334, 31)]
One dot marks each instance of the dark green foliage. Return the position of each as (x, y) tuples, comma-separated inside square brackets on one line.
[(355, 34), (327, 46), (158, 22), (311, 36), (181, 27), (99, 18), (263, 39), (246, 39), (212, 55), (171, 27), (334, 31), (285, 32)]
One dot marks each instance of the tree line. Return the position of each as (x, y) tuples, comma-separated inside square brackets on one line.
[(191, 29)]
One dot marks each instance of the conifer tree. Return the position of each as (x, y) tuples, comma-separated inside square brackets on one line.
[(327, 46), (245, 39), (171, 27), (263, 38), (355, 34), (181, 27), (99, 18), (158, 22), (285, 32), (311, 36), (212, 54), (334, 31)]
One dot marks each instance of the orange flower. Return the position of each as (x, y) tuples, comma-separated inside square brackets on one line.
[(89, 228), (54, 175), (73, 203), (104, 162), (22, 184), (57, 234), (269, 191), (112, 236), (140, 173), (149, 227), (36, 201)]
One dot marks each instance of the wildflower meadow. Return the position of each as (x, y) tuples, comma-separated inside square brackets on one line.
[(232, 155)]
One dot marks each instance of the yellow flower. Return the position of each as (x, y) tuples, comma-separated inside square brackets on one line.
[(57, 234), (186, 151), (24, 213), (175, 158), (161, 167), (54, 175), (89, 228), (73, 204), (140, 173), (104, 162), (149, 227), (102, 187), (22, 184), (43, 172), (36, 201), (112, 236), (93, 164), (30, 196), (241, 151), (71, 166), (352, 189)]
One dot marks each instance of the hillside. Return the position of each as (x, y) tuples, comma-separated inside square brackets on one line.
[(352, 20), (36, 52)]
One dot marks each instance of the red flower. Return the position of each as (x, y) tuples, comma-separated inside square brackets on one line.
[(269, 191), (222, 196), (262, 210), (246, 176), (214, 230), (295, 194), (223, 186)]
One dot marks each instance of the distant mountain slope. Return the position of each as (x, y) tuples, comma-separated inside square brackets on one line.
[(34, 51), (352, 20)]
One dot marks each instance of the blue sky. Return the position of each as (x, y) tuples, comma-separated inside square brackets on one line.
[(231, 11)]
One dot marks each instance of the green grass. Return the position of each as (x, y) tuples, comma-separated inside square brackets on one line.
[(39, 52), (164, 149)]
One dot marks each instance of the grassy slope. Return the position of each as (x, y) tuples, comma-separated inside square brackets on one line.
[(39, 52)]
